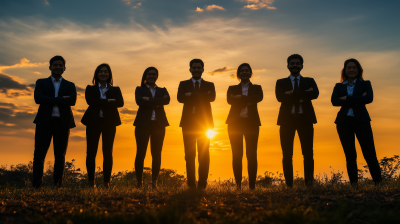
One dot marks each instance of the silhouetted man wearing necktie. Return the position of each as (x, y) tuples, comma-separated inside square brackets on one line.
[(196, 95), (297, 114), (54, 118)]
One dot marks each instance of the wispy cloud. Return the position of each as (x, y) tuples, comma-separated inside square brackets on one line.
[(198, 9), (219, 71), (212, 7), (24, 63), (137, 5), (259, 4)]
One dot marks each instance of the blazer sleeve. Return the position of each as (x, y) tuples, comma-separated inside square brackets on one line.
[(182, 98), (119, 100), (336, 101), (207, 97), (363, 99), (280, 93), (232, 100), (308, 95), (91, 100), (40, 98), (258, 97), (71, 100), (161, 100), (140, 101)]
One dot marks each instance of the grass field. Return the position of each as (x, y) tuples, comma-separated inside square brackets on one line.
[(331, 200)]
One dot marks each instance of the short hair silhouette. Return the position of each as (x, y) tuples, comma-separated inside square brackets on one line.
[(295, 56), (242, 65), (360, 70), (143, 82), (96, 80), (196, 60), (56, 58)]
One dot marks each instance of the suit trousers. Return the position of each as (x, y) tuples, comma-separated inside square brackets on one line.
[(363, 131), (236, 131), (305, 130), (43, 136), (156, 134), (93, 133), (191, 136)]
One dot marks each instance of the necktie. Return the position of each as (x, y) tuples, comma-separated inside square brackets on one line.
[(297, 101), (196, 86)]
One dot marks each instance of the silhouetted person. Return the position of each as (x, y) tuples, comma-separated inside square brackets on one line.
[(55, 95), (243, 121), (196, 95), (101, 118), (353, 119), (296, 114), (150, 123)]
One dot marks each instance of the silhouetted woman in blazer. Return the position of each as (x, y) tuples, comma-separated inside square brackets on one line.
[(352, 94), (243, 121), (101, 118), (150, 123)]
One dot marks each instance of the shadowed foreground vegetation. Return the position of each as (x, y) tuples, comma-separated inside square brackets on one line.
[(331, 200)]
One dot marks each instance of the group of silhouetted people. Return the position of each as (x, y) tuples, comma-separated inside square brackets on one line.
[(54, 120)]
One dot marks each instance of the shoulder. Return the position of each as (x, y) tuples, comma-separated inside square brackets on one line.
[(41, 80), (281, 80), (207, 82), (68, 82), (309, 79), (185, 81), (339, 84)]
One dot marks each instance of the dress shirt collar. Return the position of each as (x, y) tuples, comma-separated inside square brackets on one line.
[(347, 82), (54, 80), (194, 80), (245, 85), (155, 86), (102, 88), (292, 77)]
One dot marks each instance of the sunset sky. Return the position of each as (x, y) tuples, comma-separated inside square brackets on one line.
[(132, 35)]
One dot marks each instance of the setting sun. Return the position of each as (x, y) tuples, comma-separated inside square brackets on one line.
[(211, 133)]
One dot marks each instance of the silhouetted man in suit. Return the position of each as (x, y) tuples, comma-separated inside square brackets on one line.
[(196, 95), (55, 97), (297, 114)]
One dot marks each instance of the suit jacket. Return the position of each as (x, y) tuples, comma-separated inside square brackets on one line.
[(110, 111), (44, 95), (287, 101), (357, 101), (145, 111), (254, 96), (201, 100)]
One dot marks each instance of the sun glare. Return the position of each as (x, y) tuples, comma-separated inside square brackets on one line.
[(211, 133)]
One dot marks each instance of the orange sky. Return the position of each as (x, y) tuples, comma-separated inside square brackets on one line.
[(219, 43)]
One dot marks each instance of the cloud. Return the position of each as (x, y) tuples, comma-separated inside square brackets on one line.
[(24, 63), (128, 111), (13, 117), (138, 5), (198, 9), (7, 83), (219, 71), (212, 7), (258, 4)]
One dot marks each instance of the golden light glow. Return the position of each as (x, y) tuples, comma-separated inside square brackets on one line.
[(211, 133)]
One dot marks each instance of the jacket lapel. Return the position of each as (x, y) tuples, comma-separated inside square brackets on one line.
[(289, 84), (302, 84), (190, 86), (63, 87), (51, 86), (358, 88)]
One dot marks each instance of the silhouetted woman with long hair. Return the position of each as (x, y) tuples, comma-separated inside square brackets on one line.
[(101, 118), (243, 121), (150, 123), (352, 94)]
